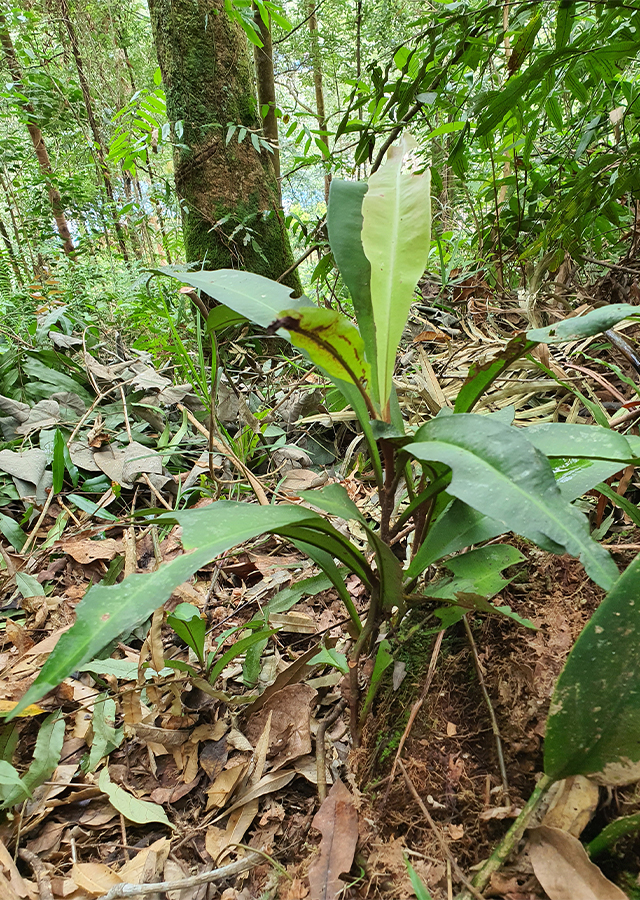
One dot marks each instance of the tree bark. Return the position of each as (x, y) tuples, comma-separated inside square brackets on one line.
[(36, 139), (266, 85), (231, 213), (97, 140), (316, 62)]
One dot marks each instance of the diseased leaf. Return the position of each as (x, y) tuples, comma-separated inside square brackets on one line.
[(140, 811), (396, 238), (594, 721), (330, 340), (337, 820)]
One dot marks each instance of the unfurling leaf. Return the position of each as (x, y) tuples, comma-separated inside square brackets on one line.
[(329, 338)]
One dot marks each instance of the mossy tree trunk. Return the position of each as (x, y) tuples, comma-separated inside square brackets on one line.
[(229, 191)]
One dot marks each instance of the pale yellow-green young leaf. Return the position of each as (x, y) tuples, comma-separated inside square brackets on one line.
[(396, 236)]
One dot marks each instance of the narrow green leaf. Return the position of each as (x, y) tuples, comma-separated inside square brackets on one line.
[(12, 531), (57, 462), (383, 660), (344, 225), (559, 439), (46, 757), (482, 375), (396, 238), (498, 472), (334, 500), (594, 322), (419, 889), (564, 22), (236, 650), (594, 720), (105, 613)]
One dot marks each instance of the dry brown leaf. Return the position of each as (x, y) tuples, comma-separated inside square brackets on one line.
[(132, 870), (86, 551), (290, 735), (337, 820), (11, 873), (224, 785), (94, 878), (6, 890), (268, 784), (564, 870), (574, 804)]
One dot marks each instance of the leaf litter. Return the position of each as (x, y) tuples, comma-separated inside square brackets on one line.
[(184, 772)]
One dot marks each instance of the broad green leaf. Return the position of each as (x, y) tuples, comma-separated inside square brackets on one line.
[(105, 613), (483, 567), (46, 756), (344, 225), (396, 238), (10, 779), (12, 531), (326, 562), (330, 340), (329, 657), (222, 317), (189, 625), (140, 811), (28, 585), (594, 322), (334, 500), (482, 375), (259, 299), (559, 439), (594, 720), (498, 472)]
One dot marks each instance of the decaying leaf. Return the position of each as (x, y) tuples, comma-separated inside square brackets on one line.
[(94, 878), (290, 733), (564, 870), (573, 805), (337, 820)]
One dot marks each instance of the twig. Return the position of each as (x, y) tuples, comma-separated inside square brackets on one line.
[(439, 836), (28, 544), (138, 890), (492, 715), (509, 841), (258, 490), (40, 871), (300, 259), (415, 709), (155, 491), (321, 757)]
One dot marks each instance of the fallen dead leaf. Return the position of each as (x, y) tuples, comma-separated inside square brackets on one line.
[(564, 870), (86, 551), (94, 878), (574, 804), (337, 820)]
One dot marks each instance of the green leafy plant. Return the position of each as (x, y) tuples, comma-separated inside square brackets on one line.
[(456, 481)]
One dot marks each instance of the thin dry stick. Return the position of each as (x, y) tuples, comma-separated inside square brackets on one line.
[(155, 491), (138, 890), (321, 756), (415, 710), (40, 871), (258, 490), (492, 715), (439, 836), (34, 531)]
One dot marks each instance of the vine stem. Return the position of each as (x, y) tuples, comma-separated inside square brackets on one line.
[(511, 839)]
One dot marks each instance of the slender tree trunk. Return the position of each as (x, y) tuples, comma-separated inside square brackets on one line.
[(231, 212), (36, 139), (20, 234), (316, 62), (11, 253), (97, 140), (266, 84)]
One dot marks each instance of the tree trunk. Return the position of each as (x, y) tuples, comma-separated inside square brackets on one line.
[(316, 62), (97, 140), (36, 139), (230, 201), (266, 84)]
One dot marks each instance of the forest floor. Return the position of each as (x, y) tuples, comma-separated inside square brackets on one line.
[(161, 777)]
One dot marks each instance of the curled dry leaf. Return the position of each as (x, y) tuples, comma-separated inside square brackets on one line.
[(573, 805), (564, 870), (337, 820)]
